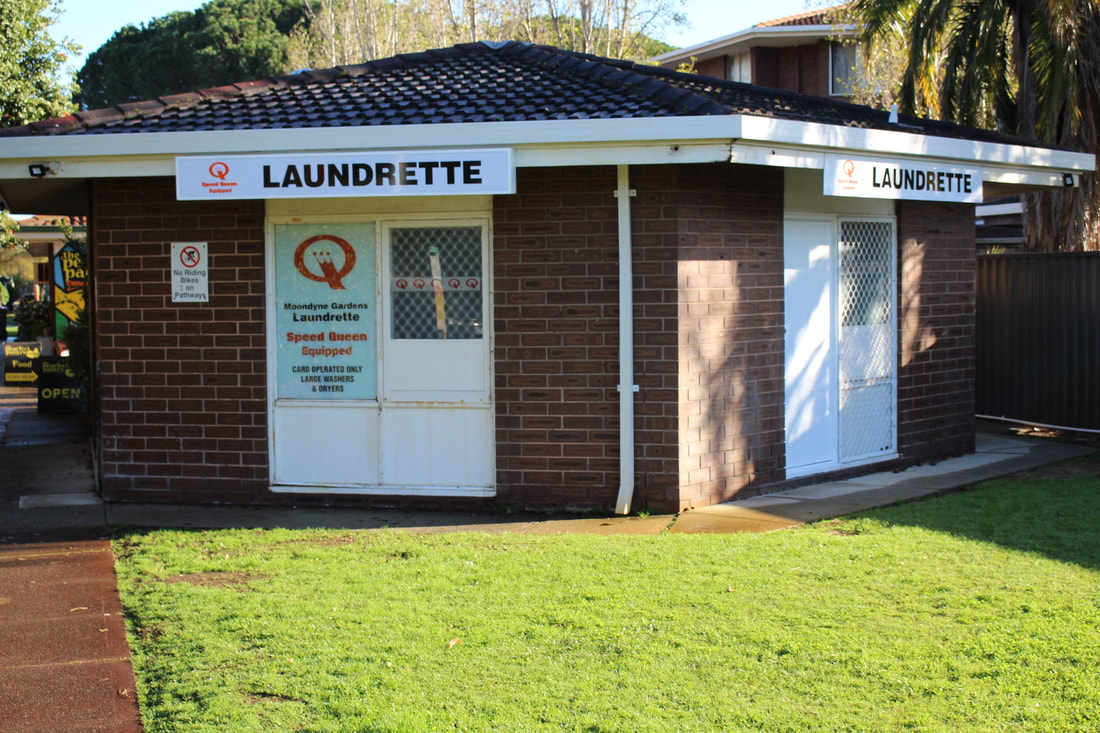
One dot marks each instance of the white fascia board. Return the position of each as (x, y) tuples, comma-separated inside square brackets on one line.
[(94, 167), (792, 144), (610, 141), (767, 36), (717, 151), (999, 209), (822, 138), (787, 156)]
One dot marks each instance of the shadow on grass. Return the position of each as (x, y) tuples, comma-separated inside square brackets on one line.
[(1053, 514)]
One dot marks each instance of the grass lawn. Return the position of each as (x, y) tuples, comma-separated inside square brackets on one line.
[(976, 611)]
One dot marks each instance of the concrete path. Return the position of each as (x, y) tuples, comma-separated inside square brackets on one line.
[(64, 660), (995, 455)]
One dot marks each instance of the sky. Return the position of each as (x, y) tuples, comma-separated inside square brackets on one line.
[(91, 23)]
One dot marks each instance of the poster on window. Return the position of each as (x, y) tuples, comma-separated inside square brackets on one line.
[(325, 321)]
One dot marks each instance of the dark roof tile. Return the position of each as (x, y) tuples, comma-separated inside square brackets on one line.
[(469, 82)]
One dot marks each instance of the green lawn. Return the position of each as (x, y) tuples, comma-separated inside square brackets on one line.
[(975, 611)]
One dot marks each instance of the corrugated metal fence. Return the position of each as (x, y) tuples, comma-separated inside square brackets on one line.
[(1038, 338)]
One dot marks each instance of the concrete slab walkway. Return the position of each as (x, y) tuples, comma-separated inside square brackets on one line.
[(995, 455), (64, 660)]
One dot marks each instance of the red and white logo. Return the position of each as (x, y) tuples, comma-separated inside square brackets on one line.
[(316, 258)]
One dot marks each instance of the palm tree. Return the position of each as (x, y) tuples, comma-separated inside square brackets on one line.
[(1026, 67)]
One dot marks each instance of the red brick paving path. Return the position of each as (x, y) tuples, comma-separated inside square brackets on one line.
[(64, 661)]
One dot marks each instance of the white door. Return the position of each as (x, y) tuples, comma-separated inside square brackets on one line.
[(437, 426), (840, 356), (810, 375)]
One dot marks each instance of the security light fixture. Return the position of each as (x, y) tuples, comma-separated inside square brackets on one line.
[(41, 170)]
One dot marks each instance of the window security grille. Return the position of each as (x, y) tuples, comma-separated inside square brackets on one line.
[(422, 290)]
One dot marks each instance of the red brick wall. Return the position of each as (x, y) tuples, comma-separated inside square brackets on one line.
[(936, 263), (556, 320), (803, 69), (718, 67), (183, 387), (708, 335), (723, 225), (183, 407)]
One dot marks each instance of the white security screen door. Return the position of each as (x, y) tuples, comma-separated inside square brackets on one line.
[(437, 427), (867, 353)]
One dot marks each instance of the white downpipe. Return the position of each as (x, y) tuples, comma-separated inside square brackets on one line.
[(627, 388)]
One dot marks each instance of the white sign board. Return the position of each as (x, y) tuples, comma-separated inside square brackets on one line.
[(897, 179), (190, 272), (300, 175)]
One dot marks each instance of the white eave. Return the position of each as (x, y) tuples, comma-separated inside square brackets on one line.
[(792, 144), (662, 140), (536, 144)]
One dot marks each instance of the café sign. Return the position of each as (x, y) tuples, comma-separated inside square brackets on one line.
[(897, 179), (300, 175)]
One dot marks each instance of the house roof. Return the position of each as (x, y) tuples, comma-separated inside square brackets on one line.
[(475, 82), (547, 106), (52, 223), (792, 30), (811, 17)]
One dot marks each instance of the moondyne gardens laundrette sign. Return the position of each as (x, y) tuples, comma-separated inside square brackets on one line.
[(327, 175), (326, 333)]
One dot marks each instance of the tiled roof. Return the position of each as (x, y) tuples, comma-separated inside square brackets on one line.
[(811, 17), (52, 222), (474, 82)]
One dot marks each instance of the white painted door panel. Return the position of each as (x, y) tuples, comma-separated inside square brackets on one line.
[(438, 447), (810, 374), (325, 445), (437, 371)]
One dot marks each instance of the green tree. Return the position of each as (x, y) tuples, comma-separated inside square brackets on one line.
[(8, 228), (1026, 67), (222, 42), (875, 80), (354, 31), (31, 80)]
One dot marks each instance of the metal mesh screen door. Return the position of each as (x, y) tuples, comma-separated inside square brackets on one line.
[(867, 353), (436, 283), (437, 411)]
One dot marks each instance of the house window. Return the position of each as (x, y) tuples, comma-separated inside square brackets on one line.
[(842, 68), (740, 68)]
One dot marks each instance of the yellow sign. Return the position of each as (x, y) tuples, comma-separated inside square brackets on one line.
[(19, 359)]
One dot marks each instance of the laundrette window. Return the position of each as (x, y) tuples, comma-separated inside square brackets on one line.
[(436, 286)]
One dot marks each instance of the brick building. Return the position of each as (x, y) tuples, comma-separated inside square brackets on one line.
[(401, 283), (810, 53)]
